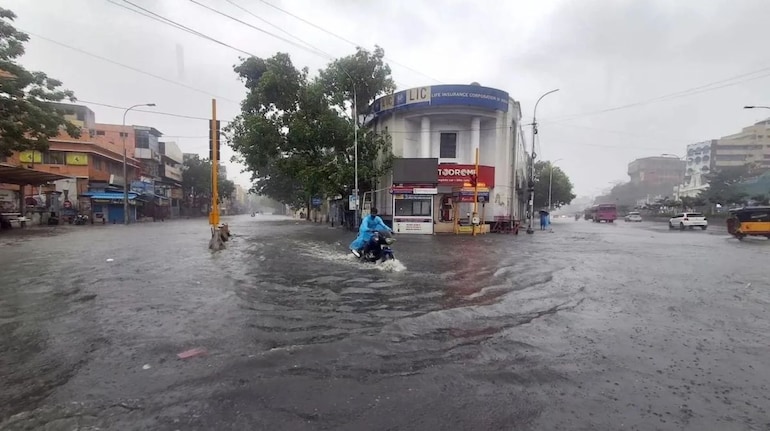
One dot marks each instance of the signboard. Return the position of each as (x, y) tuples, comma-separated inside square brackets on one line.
[(9, 201), (76, 159), (316, 202), (443, 95), (420, 226), (468, 197), (401, 190), (457, 175), (31, 157), (352, 202), (425, 191), (412, 197)]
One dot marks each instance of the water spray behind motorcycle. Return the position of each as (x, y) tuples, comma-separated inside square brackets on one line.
[(378, 249)]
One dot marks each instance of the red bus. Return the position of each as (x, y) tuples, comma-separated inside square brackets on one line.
[(605, 213)]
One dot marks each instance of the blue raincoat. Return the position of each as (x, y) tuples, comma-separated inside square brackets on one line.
[(368, 224)]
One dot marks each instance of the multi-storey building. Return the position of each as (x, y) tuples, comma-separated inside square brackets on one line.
[(749, 146), (700, 162), (436, 133)]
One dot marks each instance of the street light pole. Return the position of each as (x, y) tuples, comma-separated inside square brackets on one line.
[(355, 150), (550, 183), (355, 144), (530, 229), (125, 162)]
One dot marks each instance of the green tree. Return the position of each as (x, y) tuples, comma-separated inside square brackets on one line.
[(28, 118), (196, 180), (724, 184), (561, 186), (293, 132)]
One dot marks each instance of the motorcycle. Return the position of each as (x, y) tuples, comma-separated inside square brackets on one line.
[(379, 250), (81, 219)]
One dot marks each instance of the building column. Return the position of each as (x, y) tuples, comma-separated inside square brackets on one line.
[(425, 137), (475, 137)]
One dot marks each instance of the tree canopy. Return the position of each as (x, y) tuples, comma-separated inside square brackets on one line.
[(561, 186), (724, 184), (295, 133), (28, 118), (196, 179)]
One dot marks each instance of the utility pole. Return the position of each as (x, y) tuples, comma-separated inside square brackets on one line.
[(550, 183), (355, 150), (125, 161), (214, 130), (531, 184)]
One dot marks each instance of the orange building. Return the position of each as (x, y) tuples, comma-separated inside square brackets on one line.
[(96, 157)]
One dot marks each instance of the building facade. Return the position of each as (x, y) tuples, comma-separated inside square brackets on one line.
[(749, 146), (657, 171), (699, 164), (94, 160), (170, 173), (436, 133)]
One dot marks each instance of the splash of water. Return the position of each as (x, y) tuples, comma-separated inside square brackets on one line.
[(323, 251), (393, 265)]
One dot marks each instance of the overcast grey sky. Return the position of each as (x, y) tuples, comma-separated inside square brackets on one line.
[(602, 54)]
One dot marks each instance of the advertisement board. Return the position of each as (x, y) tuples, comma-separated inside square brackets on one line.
[(444, 95), (31, 157), (409, 225), (456, 175), (76, 159)]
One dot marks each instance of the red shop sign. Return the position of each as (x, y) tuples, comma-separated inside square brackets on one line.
[(456, 175)]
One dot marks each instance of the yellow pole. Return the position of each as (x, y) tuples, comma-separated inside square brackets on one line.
[(476, 193), (214, 216)]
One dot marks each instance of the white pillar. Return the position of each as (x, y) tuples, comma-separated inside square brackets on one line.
[(475, 137), (425, 138)]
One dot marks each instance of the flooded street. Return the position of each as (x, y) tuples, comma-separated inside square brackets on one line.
[(591, 327)]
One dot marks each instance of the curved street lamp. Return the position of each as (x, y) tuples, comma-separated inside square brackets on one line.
[(530, 229), (125, 162)]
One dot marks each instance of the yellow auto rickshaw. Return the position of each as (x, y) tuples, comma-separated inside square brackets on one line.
[(749, 221)]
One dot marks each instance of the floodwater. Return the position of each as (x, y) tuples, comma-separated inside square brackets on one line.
[(588, 327)]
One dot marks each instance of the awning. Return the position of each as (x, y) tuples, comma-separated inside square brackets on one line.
[(21, 176), (110, 196)]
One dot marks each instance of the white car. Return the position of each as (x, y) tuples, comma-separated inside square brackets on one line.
[(688, 220), (634, 217)]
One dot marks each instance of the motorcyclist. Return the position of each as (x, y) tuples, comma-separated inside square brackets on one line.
[(369, 225)]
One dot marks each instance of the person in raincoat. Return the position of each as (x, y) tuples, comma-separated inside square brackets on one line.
[(544, 219), (369, 224)]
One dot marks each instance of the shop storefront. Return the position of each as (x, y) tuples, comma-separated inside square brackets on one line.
[(413, 209), (454, 201), (107, 207)]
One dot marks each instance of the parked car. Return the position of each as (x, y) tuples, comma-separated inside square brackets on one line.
[(633, 216), (688, 220)]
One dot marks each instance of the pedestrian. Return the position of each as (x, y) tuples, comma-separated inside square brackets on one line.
[(543, 220)]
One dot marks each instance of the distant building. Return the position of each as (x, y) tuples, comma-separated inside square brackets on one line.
[(750, 145), (700, 162), (656, 171), (171, 175)]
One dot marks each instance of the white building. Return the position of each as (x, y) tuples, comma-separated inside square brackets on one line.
[(699, 163), (440, 129)]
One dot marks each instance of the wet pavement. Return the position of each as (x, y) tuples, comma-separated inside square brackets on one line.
[(590, 327)]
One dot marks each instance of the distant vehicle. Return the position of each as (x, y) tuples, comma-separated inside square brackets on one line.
[(633, 217), (688, 220), (604, 213), (749, 221)]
